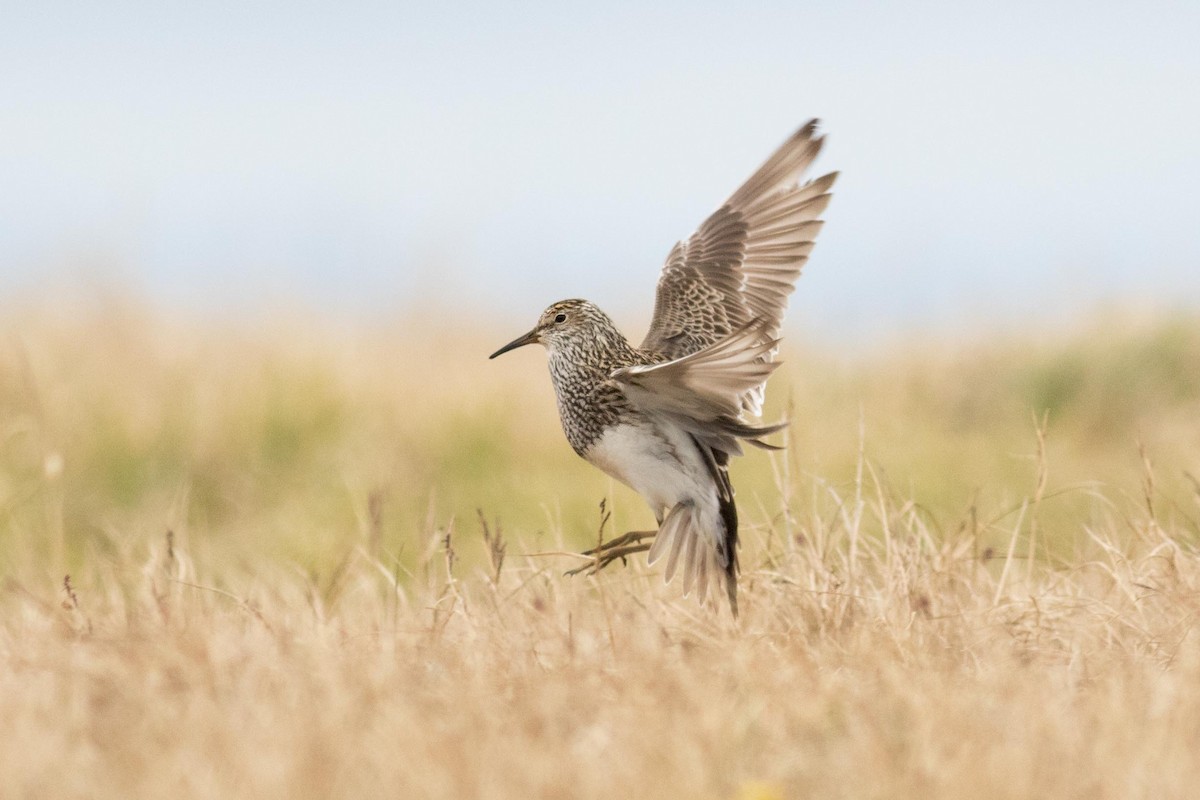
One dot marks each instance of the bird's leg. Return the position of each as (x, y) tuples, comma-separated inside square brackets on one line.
[(633, 537), (608, 552)]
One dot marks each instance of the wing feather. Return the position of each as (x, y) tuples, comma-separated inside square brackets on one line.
[(706, 384), (742, 263), (703, 391)]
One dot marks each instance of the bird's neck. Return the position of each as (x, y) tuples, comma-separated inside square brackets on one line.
[(580, 369), (592, 358)]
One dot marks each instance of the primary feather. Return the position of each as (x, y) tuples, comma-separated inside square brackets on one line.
[(741, 264)]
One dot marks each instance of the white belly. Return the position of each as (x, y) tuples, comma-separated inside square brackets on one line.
[(664, 467)]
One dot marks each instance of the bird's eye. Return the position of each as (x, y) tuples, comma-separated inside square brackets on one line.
[(560, 317)]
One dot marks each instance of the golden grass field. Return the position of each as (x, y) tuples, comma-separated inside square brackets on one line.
[(316, 559)]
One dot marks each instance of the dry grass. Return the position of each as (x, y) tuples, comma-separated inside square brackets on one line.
[(264, 600)]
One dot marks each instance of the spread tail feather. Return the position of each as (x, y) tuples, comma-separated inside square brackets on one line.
[(684, 544)]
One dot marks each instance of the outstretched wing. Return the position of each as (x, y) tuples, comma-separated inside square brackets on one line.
[(702, 392), (740, 266)]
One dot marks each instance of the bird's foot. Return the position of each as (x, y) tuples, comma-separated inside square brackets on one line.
[(608, 552)]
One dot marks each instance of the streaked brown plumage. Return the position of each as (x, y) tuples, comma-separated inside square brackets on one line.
[(665, 417)]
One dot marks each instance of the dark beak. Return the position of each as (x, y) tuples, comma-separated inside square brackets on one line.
[(528, 338)]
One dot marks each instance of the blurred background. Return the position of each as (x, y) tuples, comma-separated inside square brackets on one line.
[(253, 256), (1001, 165)]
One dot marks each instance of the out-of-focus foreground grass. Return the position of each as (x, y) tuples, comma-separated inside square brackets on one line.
[(973, 572)]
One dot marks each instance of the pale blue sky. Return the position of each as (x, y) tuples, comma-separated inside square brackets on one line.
[(1001, 162)]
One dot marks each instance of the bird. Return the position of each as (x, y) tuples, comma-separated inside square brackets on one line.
[(666, 416)]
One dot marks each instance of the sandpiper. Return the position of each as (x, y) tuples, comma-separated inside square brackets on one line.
[(665, 417)]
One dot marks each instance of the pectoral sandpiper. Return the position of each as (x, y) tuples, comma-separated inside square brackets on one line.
[(665, 417)]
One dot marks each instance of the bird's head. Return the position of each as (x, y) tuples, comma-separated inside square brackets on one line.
[(559, 323)]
